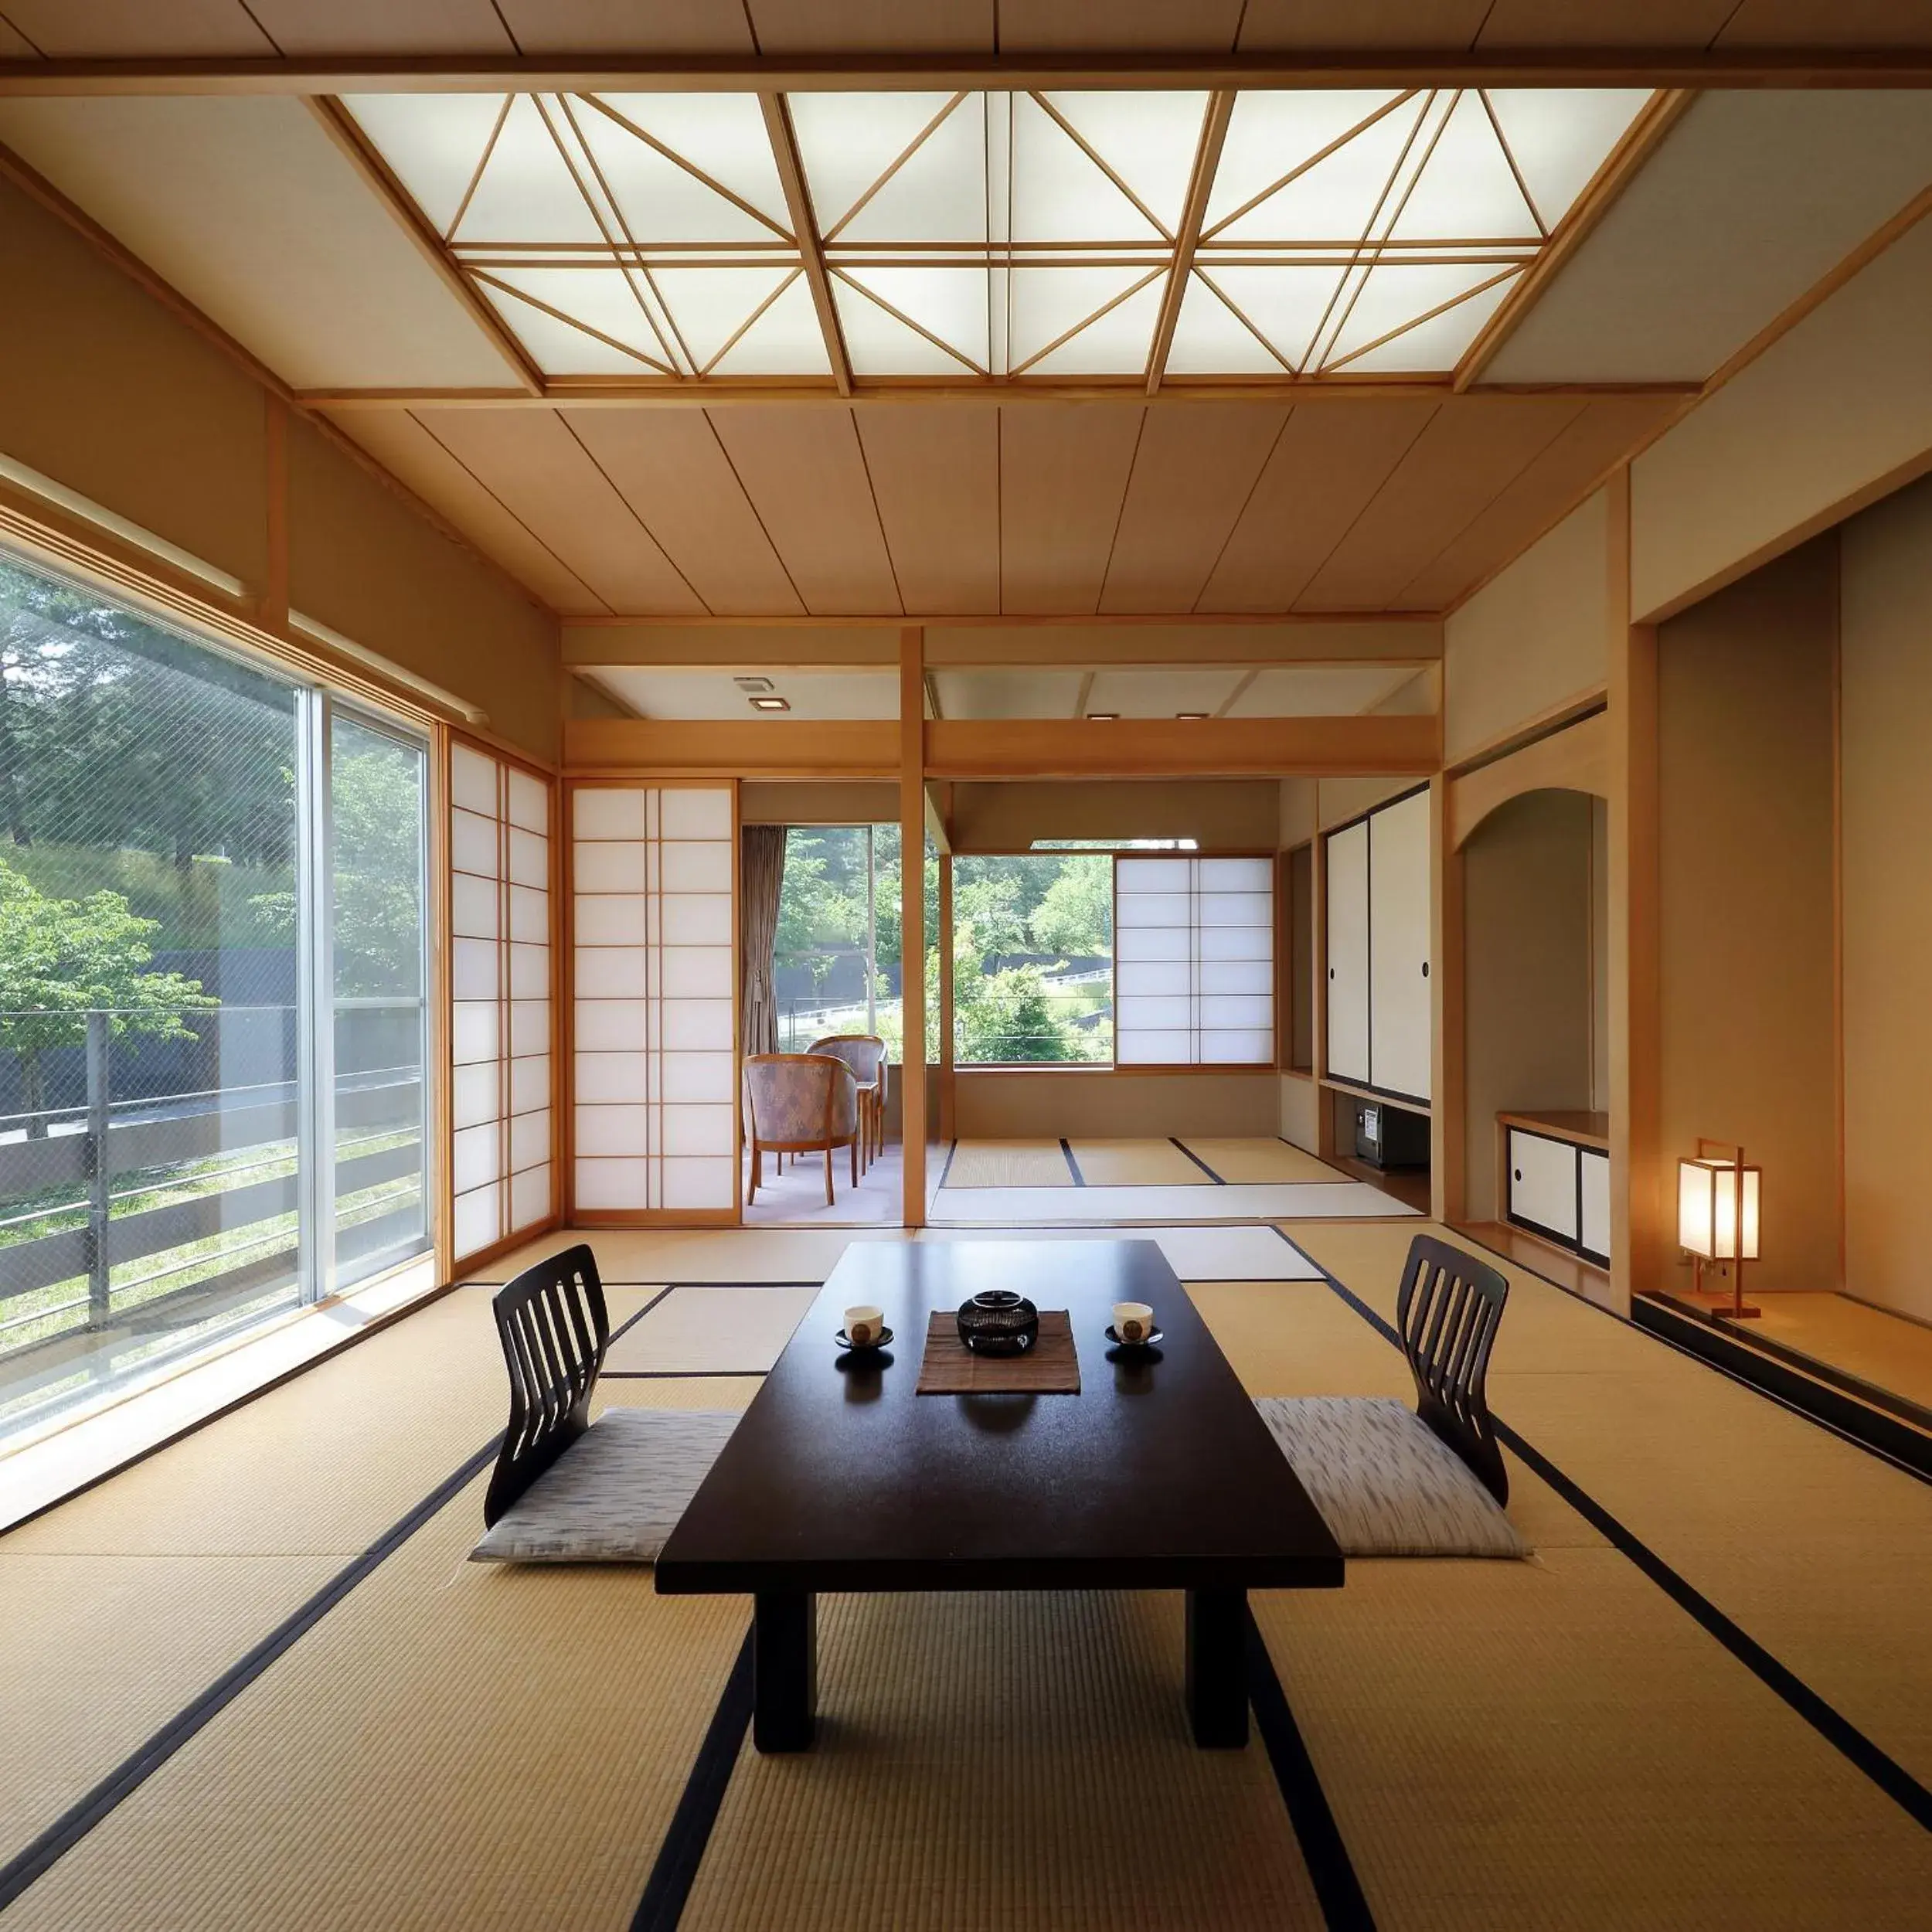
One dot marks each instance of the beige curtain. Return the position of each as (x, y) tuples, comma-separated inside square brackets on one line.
[(761, 875)]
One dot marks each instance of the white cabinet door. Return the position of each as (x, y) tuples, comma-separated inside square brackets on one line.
[(1347, 910), (1594, 1240), (1542, 1183), (1399, 1027)]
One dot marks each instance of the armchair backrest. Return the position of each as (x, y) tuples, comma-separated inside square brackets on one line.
[(863, 1052), (1446, 1313), (554, 1328), (801, 1099)]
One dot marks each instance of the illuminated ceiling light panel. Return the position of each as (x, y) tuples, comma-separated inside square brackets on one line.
[(982, 237)]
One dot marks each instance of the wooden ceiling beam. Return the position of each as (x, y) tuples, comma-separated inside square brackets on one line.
[(1403, 747), (804, 228), (1857, 66), (1207, 157), (711, 392)]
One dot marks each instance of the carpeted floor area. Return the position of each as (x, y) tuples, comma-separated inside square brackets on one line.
[(1557, 1742)]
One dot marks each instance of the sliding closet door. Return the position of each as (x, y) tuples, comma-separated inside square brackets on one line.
[(654, 1008), (1347, 920), (500, 962), (1399, 1025), (1193, 962)]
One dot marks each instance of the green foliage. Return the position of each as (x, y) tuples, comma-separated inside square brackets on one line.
[(61, 957), (1075, 915)]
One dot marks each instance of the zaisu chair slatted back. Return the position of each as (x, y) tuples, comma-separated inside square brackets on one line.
[(554, 1328), (1447, 1314)]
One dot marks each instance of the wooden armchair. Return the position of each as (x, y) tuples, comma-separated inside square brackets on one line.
[(801, 1103), (865, 1053)]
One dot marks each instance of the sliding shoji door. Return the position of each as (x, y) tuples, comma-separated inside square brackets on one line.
[(1193, 962), (502, 1171), (654, 1010)]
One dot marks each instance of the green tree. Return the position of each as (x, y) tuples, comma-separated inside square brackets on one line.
[(1075, 916), (60, 958)]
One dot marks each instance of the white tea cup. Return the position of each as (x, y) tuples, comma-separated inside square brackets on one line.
[(1133, 1320), (865, 1327)]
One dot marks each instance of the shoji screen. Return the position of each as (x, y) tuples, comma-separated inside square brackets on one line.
[(654, 1009), (500, 995), (1193, 962), (1348, 962)]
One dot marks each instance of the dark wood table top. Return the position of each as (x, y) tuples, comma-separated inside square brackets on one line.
[(1158, 1475)]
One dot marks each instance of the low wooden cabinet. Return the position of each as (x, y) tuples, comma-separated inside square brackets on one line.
[(1556, 1179)]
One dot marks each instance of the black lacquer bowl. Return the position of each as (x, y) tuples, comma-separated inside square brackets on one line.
[(998, 1321)]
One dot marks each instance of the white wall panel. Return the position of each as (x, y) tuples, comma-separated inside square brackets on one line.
[(500, 972), (655, 1085), (1400, 1024)]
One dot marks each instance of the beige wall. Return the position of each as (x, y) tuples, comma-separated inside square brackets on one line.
[(780, 802), (368, 565), (115, 395), (1745, 792), (1000, 1106), (1240, 814), (1341, 799), (1887, 734), (1599, 954), (109, 394), (1300, 1120), (1526, 972), (1828, 419), (1533, 639)]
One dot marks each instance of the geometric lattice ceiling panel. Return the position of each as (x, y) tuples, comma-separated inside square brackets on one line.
[(999, 235)]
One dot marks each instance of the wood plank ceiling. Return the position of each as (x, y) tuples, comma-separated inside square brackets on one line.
[(963, 509), (298, 29)]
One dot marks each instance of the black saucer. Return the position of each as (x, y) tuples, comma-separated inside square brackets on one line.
[(1151, 1340), (852, 1348)]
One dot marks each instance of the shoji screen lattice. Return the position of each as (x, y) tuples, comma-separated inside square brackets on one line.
[(654, 987), (500, 1098), (1193, 962)]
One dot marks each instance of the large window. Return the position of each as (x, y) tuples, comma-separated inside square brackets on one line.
[(212, 942), (1033, 959)]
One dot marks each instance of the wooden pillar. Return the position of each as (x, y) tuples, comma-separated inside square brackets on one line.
[(948, 1129), (1448, 1122), (1636, 1224), (912, 918)]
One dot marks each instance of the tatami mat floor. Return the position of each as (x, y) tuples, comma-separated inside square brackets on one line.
[(1877, 1346), (1553, 1743)]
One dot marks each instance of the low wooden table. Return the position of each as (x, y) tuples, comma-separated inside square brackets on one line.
[(1158, 1475)]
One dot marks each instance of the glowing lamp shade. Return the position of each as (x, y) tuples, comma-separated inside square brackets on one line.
[(1707, 1210)]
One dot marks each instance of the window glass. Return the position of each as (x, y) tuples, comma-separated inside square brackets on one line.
[(1033, 959)]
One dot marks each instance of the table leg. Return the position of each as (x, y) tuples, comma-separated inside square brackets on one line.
[(1217, 1678), (785, 1669)]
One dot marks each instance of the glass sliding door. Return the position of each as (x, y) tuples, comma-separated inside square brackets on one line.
[(211, 942), (378, 813)]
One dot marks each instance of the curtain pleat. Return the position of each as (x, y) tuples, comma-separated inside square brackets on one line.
[(761, 877)]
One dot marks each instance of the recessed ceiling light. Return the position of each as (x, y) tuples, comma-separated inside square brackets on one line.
[(769, 704), (1101, 717), (1190, 714), (752, 684)]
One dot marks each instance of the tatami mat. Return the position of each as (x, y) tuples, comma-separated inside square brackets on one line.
[(1007, 1164), (456, 1745), (694, 1254), (1818, 1550), (1002, 1761), (1511, 1747), (1341, 1200), (710, 1331), (1140, 1163), (1259, 1160), (1195, 1253)]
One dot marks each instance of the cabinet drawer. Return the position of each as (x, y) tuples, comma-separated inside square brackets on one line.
[(1542, 1183), (1594, 1236)]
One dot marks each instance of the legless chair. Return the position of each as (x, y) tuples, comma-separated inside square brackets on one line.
[(865, 1053), (801, 1103)]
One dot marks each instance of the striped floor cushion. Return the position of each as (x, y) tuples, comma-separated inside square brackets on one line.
[(1386, 1485), (616, 1494)]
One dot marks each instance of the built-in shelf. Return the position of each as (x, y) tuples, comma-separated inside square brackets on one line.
[(1369, 1093), (1585, 1129)]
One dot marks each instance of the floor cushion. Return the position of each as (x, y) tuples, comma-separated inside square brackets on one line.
[(616, 1494), (1386, 1485)]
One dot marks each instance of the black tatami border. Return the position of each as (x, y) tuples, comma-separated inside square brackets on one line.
[(1831, 1724), (1073, 1166), (1196, 1159), (133, 1771)]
